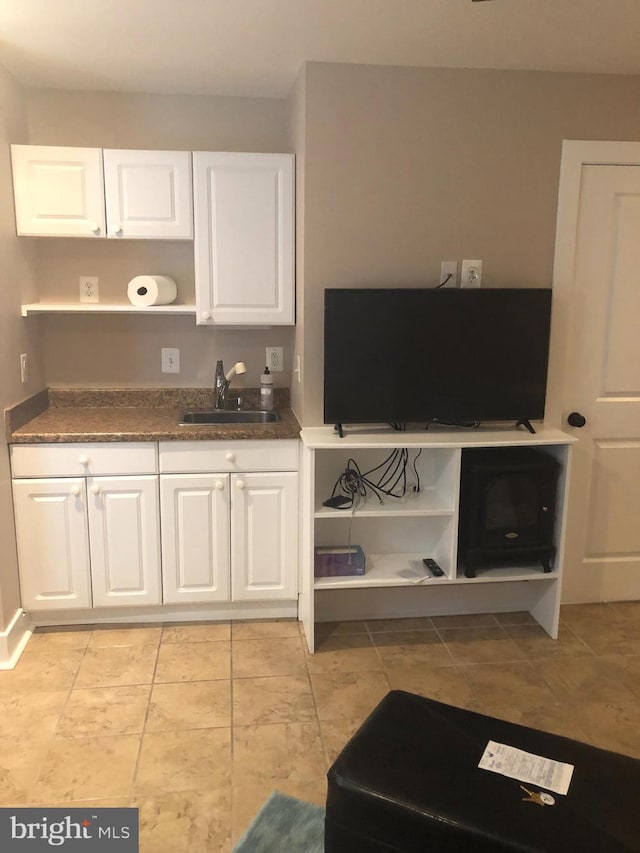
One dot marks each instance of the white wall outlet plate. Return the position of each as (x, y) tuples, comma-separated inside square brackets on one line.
[(24, 368), (448, 274), (274, 359), (89, 288), (471, 275), (170, 360)]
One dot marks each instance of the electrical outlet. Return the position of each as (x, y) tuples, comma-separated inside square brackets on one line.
[(24, 368), (170, 360), (88, 288), (471, 275), (449, 274), (298, 368), (275, 359)]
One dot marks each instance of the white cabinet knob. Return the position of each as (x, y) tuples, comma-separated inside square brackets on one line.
[(118, 229), (95, 489), (84, 461), (95, 228), (240, 484), (75, 491), (230, 457), (219, 485), (206, 315)]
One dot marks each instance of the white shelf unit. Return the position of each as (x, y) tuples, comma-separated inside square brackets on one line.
[(397, 534), (102, 308)]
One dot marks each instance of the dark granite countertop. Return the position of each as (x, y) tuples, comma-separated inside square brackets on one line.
[(75, 415)]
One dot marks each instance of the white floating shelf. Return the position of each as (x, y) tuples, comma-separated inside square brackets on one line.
[(102, 308)]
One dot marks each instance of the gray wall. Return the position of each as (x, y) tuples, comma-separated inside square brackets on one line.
[(112, 350), (408, 167), (16, 336)]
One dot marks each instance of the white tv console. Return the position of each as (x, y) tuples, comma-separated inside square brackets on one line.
[(396, 535)]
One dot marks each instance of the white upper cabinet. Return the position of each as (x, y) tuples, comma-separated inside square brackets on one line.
[(59, 192), (148, 194), (244, 238)]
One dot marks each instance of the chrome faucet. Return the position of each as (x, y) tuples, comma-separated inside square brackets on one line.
[(222, 382)]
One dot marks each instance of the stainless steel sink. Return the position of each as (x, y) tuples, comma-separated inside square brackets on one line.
[(223, 416)]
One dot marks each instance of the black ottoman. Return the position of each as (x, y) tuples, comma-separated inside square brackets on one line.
[(409, 782)]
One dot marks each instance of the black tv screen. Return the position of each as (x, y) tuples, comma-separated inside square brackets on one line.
[(448, 355)]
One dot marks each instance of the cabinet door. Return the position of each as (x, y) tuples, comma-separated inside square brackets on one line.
[(244, 240), (124, 531), (59, 192), (53, 543), (195, 537), (264, 536), (148, 194)]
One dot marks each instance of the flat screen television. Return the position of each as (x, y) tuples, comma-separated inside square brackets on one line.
[(435, 355)]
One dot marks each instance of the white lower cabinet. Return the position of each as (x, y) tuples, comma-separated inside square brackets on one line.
[(53, 543), (229, 537), (195, 537), (91, 540), (97, 527), (229, 533), (124, 537), (264, 530)]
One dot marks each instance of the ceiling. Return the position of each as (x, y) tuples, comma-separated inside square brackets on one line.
[(256, 47)]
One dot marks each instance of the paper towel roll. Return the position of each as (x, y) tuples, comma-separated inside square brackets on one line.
[(144, 290)]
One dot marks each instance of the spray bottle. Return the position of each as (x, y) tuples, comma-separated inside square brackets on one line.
[(266, 390)]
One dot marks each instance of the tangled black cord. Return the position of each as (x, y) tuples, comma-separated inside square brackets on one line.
[(392, 479)]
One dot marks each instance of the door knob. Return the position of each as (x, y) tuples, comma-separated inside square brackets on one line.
[(575, 419)]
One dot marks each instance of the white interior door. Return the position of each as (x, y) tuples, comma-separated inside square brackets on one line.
[(596, 277)]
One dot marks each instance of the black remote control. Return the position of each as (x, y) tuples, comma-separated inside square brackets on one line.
[(433, 567)]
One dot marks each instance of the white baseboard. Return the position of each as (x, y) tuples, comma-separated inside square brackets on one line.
[(166, 613), (13, 639)]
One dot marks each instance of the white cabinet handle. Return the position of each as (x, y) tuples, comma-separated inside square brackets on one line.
[(84, 461), (95, 228), (95, 489), (206, 315), (75, 491), (219, 485), (240, 484), (230, 457), (118, 229)]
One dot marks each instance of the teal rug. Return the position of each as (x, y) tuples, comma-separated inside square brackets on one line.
[(284, 823)]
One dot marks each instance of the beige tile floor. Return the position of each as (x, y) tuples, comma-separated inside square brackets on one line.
[(197, 724)]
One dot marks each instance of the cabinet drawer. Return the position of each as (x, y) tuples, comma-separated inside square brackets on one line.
[(185, 457), (91, 458)]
